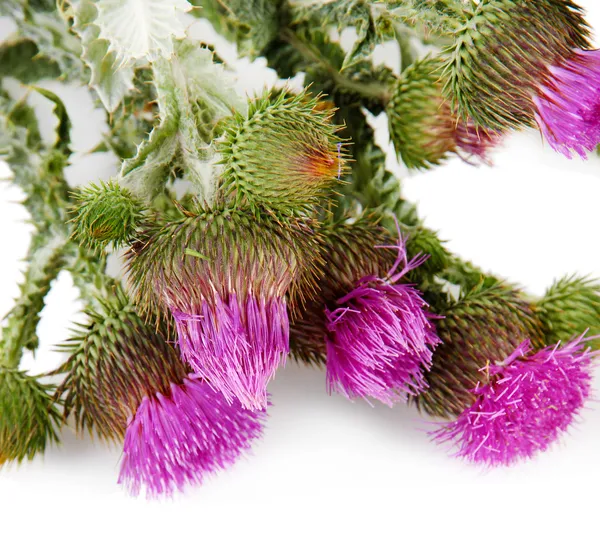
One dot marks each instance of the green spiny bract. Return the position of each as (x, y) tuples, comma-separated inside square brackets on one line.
[(349, 254), (569, 308), (105, 215), (29, 418), (502, 52), (116, 360), (485, 326), (179, 263), (284, 154)]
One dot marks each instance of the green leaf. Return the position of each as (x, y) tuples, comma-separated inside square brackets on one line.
[(20, 59), (63, 130)]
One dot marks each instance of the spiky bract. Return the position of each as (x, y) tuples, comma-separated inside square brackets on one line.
[(485, 325), (29, 419), (224, 275), (502, 53), (571, 307), (180, 438), (104, 215), (348, 256), (422, 125), (117, 360), (523, 404), (284, 154)]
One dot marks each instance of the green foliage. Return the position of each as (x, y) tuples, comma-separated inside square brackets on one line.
[(30, 420), (104, 215), (484, 326), (571, 307), (116, 359), (20, 59), (499, 52), (284, 155)]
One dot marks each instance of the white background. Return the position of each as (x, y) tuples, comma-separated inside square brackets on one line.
[(330, 476)]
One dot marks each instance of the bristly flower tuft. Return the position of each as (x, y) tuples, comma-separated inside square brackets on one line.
[(180, 438), (380, 338), (224, 275), (285, 154), (523, 404), (29, 419)]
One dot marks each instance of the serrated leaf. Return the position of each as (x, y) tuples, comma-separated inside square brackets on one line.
[(20, 59), (141, 29)]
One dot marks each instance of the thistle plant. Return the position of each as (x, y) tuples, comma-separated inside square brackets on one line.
[(291, 237)]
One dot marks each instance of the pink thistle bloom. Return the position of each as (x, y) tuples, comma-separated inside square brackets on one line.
[(523, 405), (568, 104), (236, 346), (473, 143), (178, 439), (380, 338)]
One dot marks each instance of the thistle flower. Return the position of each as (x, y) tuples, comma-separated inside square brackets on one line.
[(105, 215), (523, 404), (29, 418), (517, 63), (284, 154), (348, 256), (422, 125), (178, 439), (116, 361), (486, 325), (224, 275), (381, 339), (569, 308)]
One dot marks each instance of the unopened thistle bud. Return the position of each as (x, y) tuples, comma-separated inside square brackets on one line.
[(117, 360), (224, 276), (522, 404), (178, 439), (105, 215), (485, 326), (29, 419), (422, 125), (284, 154), (518, 63), (571, 307)]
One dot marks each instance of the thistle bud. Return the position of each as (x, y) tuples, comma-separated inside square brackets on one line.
[(105, 215), (29, 418), (486, 325), (116, 361), (180, 438), (284, 154), (522, 404), (224, 276), (571, 307), (422, 125), (517, 63)]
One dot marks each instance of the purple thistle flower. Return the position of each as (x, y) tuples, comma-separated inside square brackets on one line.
[(380, 338), (178, 439), (568, 104), (474, 143), (236, 346), (523, 404)]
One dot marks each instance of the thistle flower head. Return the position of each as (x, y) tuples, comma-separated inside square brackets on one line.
[(523, 404), (29, 419), (178, 439), (348, 256), (380, 338), (486, 324), (104, 215), (116, 361), (422, 125), (224, 276), (569, 308), (284, 154), (517, 63)]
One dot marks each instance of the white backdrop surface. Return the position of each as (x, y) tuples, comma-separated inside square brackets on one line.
[(330, 476)]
